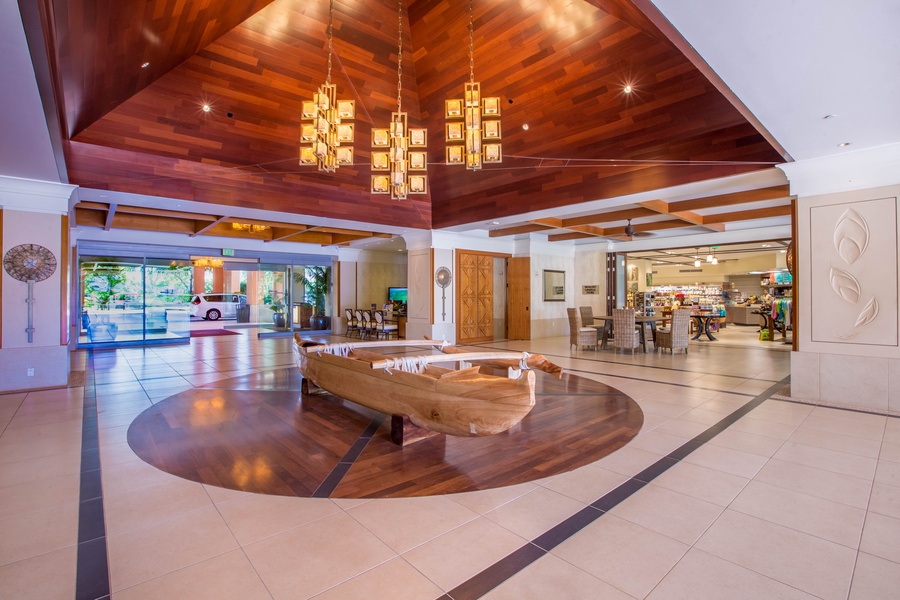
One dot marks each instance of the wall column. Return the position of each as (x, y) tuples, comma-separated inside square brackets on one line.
[(33, 214), (846, 280), (218, 280)]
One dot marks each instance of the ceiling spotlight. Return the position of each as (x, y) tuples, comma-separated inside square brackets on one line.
[(843, 144), (145, 65), (525, 126), (627, 89), (495, 222), (207, 108)]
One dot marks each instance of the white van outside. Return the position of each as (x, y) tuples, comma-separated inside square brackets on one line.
[(217, 306)]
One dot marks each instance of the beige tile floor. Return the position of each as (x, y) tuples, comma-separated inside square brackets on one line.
[(792, 501)]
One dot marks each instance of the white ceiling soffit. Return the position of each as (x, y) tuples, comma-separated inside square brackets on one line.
[(26, 151), (793, 62)]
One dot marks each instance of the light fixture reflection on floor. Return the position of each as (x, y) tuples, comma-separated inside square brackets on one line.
[(480, 121), (398, 150), (327, 132)]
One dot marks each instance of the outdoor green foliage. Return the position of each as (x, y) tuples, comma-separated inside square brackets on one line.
[(108, 284), (318, 284)]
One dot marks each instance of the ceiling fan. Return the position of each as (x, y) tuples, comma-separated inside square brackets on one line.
[(630, 233)]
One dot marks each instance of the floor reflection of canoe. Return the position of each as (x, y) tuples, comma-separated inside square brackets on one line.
[(464, 402)]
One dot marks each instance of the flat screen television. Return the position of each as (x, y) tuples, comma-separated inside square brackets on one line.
[(398, 294)]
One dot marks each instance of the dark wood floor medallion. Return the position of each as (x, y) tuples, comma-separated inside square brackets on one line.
[(275, 440)]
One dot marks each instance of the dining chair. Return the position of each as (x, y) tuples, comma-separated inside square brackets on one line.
[(579, 335), (384, 329), (368, 325), (677, 335), (352, 323), (626, 333), (587, 315)]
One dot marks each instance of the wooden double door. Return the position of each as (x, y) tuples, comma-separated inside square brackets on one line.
[(475, 297)]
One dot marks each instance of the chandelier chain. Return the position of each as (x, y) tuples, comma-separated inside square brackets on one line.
[(399, 54), (471, 46), (330, 47)]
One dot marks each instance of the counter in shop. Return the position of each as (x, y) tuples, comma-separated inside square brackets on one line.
[(742, 315)]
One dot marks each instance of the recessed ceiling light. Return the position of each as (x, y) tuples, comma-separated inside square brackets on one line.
[(843, 144), (145, 65), (495, 222), (207, 108), (767, 245), (627, 89), (783, 251), (525, 126)]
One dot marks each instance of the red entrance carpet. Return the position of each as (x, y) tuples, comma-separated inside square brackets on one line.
[(211, 332)]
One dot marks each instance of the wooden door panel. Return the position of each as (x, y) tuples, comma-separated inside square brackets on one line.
[(518, 298), (475, 316)]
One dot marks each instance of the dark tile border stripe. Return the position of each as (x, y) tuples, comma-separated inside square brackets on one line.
[(92, 570), (330, 483), (510, 565)]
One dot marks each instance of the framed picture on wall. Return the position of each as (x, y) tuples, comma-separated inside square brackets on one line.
[(554, 286)]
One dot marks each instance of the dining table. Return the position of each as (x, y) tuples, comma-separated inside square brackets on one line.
[(605, 329), (703, 322)]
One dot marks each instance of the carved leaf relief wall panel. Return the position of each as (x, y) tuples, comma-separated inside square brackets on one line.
[(856, 274)]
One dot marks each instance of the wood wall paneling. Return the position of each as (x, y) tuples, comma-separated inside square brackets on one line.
[(518, 272)]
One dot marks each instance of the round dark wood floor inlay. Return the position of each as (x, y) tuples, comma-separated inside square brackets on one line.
[(272, 439)]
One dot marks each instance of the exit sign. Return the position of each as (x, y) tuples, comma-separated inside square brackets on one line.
[(227, 252)]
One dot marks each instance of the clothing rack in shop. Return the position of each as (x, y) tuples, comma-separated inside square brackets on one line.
[(781, 314)]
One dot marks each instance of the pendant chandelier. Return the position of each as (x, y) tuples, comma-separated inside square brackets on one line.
[(399, 159), (473, 123), (326, 132)]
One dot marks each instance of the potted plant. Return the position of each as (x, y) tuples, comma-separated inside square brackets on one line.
[(317, 281), (277, 308)]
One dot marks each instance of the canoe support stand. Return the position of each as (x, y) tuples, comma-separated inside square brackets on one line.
[(404, 432)]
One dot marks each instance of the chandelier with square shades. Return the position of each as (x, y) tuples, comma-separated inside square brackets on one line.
[(327, 134), (399, 159), (473, 122)]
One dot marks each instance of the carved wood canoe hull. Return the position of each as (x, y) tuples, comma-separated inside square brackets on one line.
[(462, 403)]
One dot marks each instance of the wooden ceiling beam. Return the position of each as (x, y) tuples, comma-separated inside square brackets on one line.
[(598, 231), (654, 226), (562, 237), (548, 222), (608, 217), (311, 237), (747, 215), (110, 214), (518, 229), (769, 193), (282, 233), (201, 229), (663, 207)]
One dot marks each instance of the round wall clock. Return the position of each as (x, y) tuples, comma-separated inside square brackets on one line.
[(29, 262)]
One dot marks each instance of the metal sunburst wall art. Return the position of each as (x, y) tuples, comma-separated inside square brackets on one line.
[(29, 263)]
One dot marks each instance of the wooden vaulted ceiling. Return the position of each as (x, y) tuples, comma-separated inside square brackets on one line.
[(559, 66)]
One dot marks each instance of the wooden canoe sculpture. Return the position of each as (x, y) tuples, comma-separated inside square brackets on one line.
[(463, 402)]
